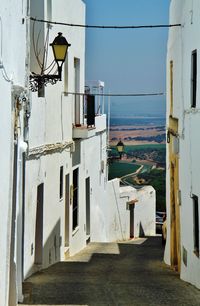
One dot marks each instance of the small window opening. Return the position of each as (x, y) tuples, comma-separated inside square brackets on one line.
[(61, 182), (196, 224), (194, 79)]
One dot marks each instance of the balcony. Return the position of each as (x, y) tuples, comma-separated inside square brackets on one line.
[(83, 132), (92, 122)]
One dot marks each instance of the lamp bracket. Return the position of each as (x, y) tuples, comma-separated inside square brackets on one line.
[(37, 81)]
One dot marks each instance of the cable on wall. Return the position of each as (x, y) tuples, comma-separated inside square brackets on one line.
[(107, 26)]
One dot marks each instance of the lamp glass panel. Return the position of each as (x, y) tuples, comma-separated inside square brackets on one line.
[(60, 52), (120, 148)]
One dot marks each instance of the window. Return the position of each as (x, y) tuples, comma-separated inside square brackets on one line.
[(75, 199), (194, 79), (61, 182), (196, 224), (77, 89)]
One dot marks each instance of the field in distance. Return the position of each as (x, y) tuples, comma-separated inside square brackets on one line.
[(135, 135)]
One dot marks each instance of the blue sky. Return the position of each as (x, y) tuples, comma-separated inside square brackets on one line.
[(128, 60)]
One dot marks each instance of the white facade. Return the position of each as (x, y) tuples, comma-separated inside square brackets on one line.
[(54, 191), (12, 82), (183, 42), (50, 126), (125, 213)]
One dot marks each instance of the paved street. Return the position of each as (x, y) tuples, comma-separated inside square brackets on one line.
[(112, 274)]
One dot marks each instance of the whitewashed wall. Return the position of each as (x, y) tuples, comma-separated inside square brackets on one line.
[(13, 59), (51, 120), (94, 153), (50, 123), (112, 218), (6, 140), (145, 212), (182, 41), (118, 214)]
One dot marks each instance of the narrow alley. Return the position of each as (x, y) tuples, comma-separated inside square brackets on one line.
[(128, 273)]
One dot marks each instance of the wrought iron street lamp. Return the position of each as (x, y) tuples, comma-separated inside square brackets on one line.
[(60, 46), (120, 148)]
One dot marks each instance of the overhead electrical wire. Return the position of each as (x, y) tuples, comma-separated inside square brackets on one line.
[(110, 27), (107, 26), (116, 94)]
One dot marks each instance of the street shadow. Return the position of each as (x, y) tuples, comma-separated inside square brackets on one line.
[(50, 255), (135, 276)]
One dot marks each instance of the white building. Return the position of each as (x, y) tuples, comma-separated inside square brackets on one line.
[(65, 168), (13, 71), (183, 113), (54, 191)]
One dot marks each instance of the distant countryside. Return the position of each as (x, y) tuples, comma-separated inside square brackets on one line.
[(143, 159), (120, 169)]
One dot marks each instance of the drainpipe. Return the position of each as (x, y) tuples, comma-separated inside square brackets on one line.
[(12, 278), (22, 147)]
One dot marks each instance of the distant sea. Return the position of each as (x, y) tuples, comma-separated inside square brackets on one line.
[(138, 121)]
